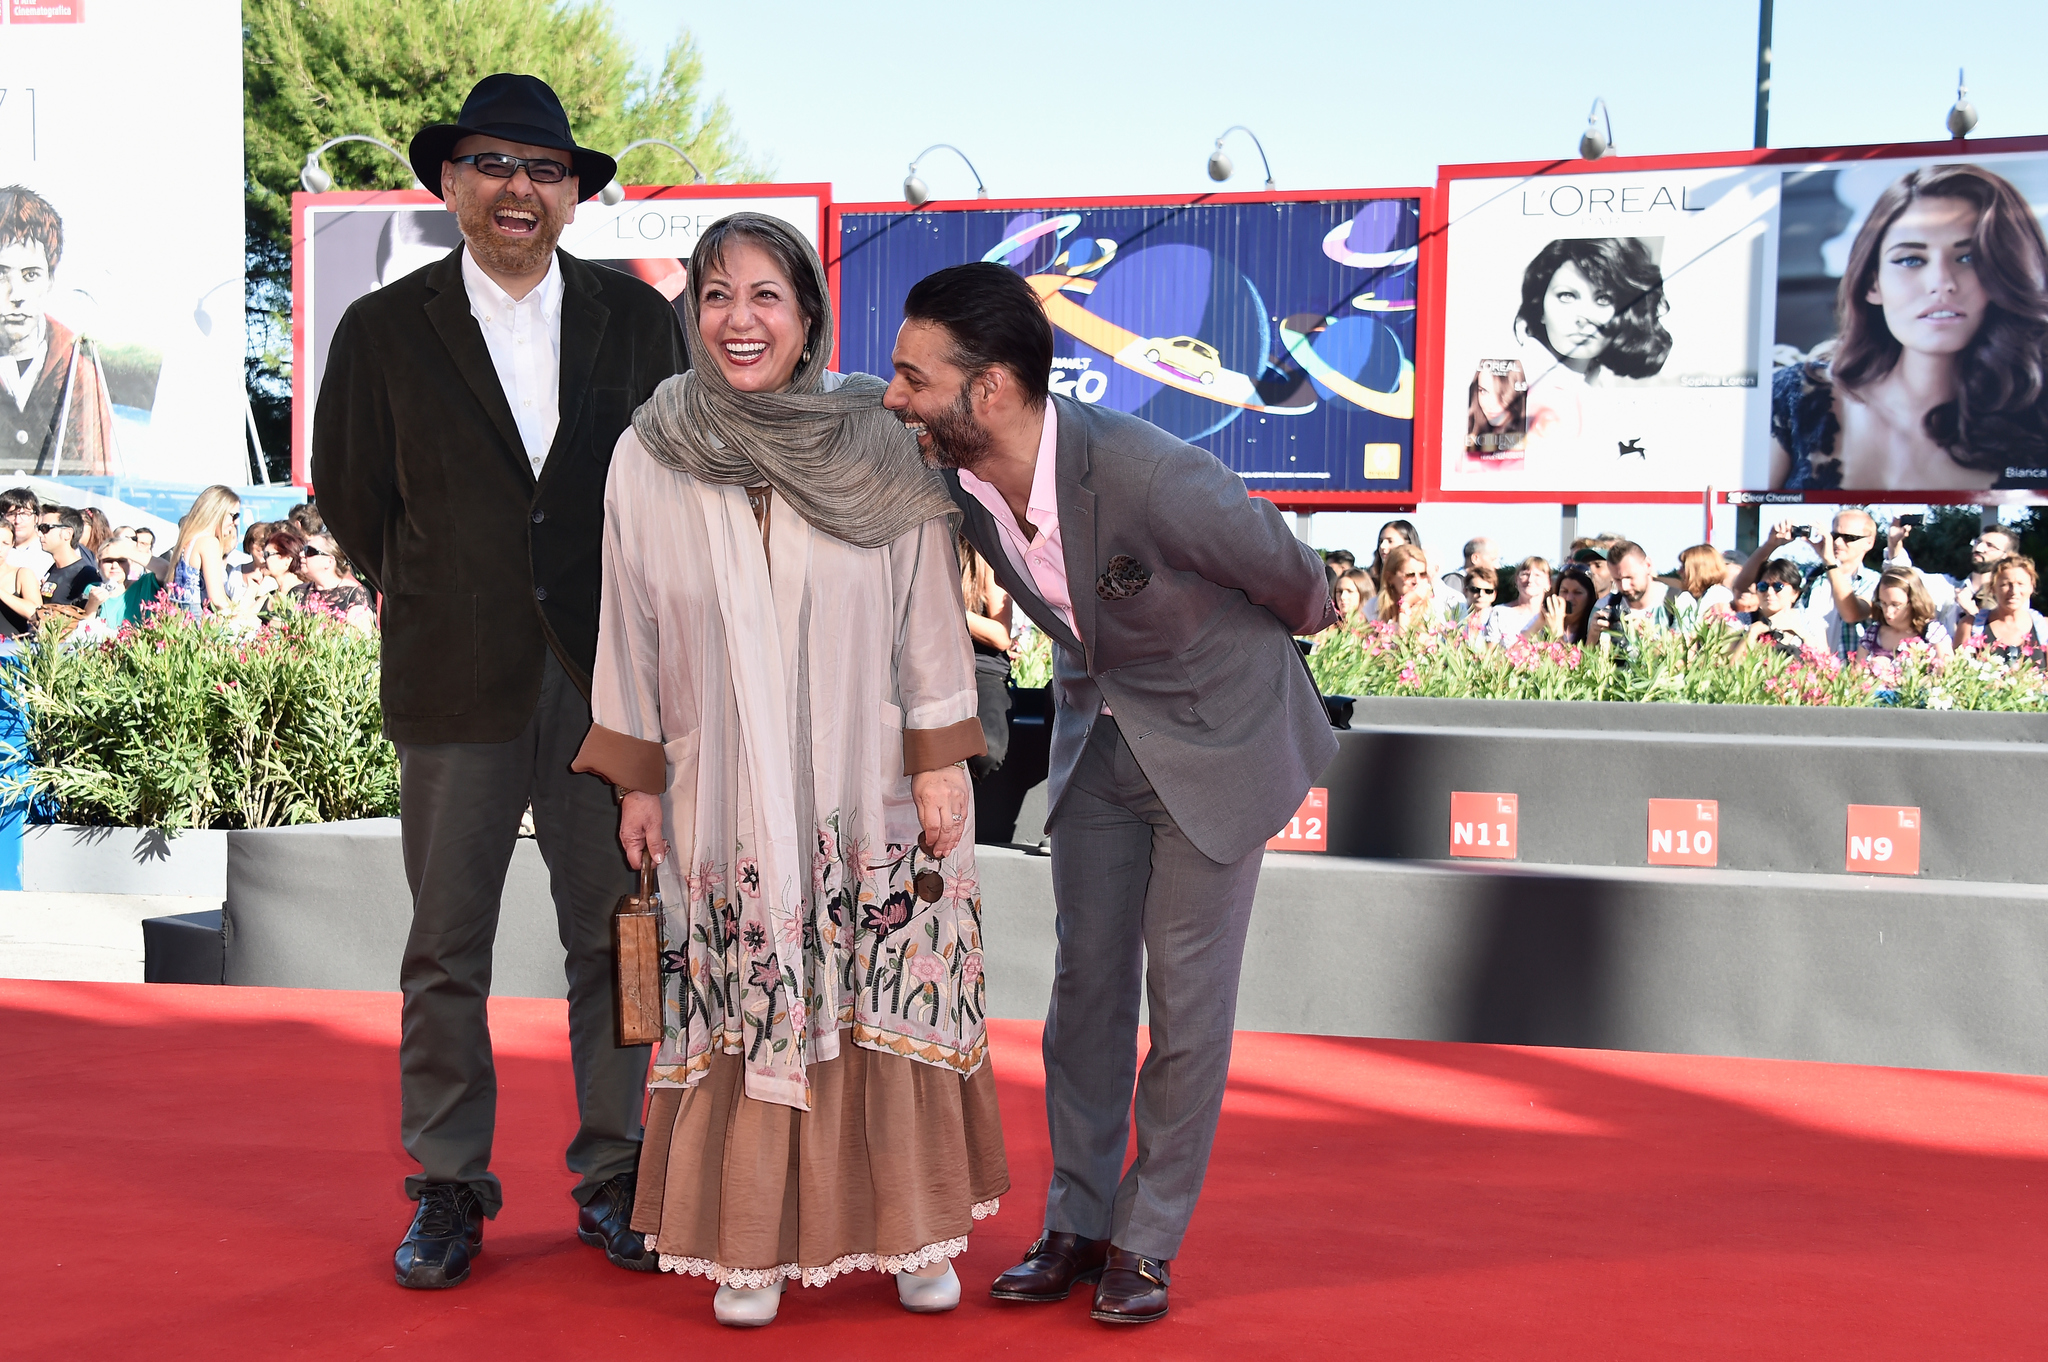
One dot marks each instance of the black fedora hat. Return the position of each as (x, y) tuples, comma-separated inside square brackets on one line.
[(517, 109)]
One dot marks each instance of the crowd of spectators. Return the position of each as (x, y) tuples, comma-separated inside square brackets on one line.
[(1608, 591), (73, 565)]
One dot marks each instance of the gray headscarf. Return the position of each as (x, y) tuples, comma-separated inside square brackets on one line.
[(839, 458)]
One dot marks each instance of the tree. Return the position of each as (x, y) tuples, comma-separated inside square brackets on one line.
[(315, 69)]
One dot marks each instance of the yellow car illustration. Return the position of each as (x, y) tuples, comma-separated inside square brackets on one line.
[(1196, 361)]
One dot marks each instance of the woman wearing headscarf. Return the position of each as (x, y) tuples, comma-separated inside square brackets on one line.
[(785, 698)]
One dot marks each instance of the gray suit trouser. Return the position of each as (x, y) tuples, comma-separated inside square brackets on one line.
[(459, 811), (1136, 901)]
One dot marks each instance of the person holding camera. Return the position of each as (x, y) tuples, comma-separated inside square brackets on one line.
[(1845, 611), (1779, 621), (1637, 600)]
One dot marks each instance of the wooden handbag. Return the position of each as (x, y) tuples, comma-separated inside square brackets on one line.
[(636, 953)]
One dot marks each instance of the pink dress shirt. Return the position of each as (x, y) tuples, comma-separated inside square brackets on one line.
[(1040, 558)]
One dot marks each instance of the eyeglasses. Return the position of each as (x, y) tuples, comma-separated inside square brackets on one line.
[(499, 166), (308, 552), (46, 527), (1764, 588), (1841, 538), (1480, 591)]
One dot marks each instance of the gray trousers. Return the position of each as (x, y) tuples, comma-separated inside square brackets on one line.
[(1135, 899), (459, 811)]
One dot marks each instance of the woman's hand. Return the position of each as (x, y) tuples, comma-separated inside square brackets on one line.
[(942, 797), (640, 828), (1553, 616)]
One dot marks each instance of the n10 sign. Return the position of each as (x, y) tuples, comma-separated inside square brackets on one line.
[(1484, 825), (1685, 832), (1884, 839)]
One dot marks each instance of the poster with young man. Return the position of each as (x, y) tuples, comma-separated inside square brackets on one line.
[(347, 243), (121, 260), (1275, 331)]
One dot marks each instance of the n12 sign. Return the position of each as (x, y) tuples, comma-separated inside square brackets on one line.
[(1884, 839), (1685, 832), (1309, 829), (1483, 825)]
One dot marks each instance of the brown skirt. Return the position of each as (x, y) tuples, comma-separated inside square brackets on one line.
[(886, 1172)]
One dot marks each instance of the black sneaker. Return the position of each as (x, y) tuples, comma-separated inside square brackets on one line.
[(447, 1232), (606, 1222)]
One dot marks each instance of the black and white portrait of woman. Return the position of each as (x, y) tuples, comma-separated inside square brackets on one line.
[(1591, 316), (1597, 305), (1937, 376)]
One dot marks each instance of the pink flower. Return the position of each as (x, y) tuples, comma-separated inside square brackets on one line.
[(970, 968), (960, 888), (925, 967)]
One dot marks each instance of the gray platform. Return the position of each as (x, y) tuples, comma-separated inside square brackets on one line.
[(1921, 973), (1585, 773)]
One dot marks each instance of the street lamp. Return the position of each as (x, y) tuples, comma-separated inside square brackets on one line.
[(1963, 115), (1220, 167), (614, 193), (1598, 138), (916, 193), (315, 177)]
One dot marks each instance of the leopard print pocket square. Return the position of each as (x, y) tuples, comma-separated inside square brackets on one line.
[(1126, 578)]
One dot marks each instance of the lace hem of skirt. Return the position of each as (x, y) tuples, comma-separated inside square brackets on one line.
[(754, 1279)]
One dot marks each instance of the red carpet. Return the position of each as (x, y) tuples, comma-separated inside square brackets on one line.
[(213, 1172)]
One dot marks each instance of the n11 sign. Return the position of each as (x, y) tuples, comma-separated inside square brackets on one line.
[(1484, 825)]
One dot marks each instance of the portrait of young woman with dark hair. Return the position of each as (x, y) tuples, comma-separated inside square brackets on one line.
[(1938, 373), (1597, 305)]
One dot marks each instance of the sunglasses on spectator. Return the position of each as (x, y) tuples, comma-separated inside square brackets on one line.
[(308, 552), (1773, 586), (44, 527), (1476, 590), (1841, 538), (499, 166)]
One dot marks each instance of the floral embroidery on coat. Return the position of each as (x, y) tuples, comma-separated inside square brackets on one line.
[(903, 974)]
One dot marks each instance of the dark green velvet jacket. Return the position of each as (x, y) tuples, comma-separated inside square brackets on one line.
[(424, 482)]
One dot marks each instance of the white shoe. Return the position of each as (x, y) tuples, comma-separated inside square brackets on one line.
[(928, 1295), (745, 1308)]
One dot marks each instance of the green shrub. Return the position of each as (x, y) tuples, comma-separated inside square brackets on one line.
[(1683, 668), (176, 723)]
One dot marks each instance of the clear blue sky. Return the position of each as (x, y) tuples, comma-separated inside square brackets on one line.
[(1128, 98)]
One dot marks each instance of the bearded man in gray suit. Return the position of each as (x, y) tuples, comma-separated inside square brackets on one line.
[(1185, 733)]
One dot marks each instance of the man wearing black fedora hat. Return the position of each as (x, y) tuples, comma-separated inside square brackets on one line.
[(464, 428)]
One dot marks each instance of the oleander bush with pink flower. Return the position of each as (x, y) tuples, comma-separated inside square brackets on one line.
[(177, 723), (1693, 667)]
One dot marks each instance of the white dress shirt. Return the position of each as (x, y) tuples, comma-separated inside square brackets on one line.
[(525, 340), (1040, 558), (18, 373)]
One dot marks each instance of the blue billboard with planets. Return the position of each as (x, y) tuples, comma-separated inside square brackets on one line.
[(1278, 335)]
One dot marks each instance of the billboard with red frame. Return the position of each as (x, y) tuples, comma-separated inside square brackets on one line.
[(1275, 330), (345, 244), (1837, 324)]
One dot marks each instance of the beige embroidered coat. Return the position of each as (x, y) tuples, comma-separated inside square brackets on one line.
[(779, 694)]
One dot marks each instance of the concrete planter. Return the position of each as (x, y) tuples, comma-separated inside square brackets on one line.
[(63, 859), (327, 906)]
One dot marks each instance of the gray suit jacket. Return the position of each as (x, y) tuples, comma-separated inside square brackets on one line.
[(1199, 666)]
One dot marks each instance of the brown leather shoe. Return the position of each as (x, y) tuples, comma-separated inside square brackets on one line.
[(1133, 1289), (1051, 1267)]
